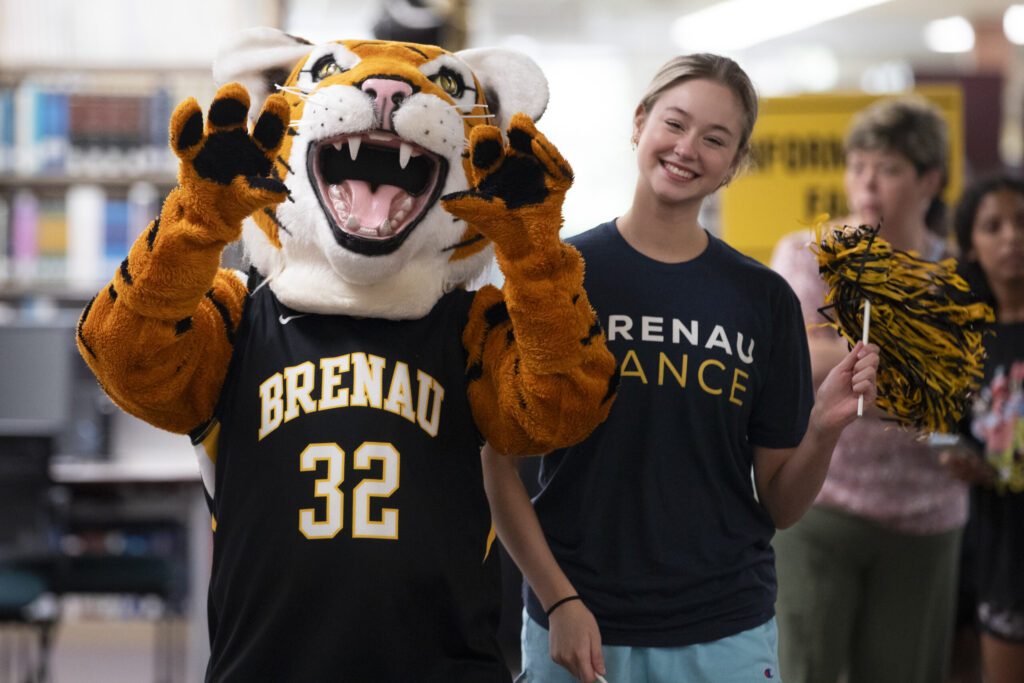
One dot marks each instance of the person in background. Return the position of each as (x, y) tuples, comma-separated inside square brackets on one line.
[(868, 577), (989, 226), (652, 558)]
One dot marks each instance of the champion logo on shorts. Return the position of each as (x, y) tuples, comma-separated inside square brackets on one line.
[(768, 673)]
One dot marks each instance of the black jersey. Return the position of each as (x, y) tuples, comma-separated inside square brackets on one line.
[(351, 530)]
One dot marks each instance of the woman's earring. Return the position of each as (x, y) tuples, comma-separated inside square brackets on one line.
[(633, 141)]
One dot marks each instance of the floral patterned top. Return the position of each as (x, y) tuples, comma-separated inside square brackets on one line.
[(879, 471), (998, 409)]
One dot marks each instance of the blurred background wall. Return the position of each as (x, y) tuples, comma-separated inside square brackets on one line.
[(598, 55)]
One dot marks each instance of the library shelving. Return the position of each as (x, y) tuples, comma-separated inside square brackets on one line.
[(84, 168), (84, 165)]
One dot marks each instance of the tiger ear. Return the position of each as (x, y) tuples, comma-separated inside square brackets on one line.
[(512, 83), (260, 59)]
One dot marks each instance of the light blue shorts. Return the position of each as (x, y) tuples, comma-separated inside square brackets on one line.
[(747, 657)]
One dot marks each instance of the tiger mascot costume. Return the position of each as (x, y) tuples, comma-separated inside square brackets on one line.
[(339, 394)]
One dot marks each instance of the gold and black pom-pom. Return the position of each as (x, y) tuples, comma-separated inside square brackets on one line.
[(928, 331)]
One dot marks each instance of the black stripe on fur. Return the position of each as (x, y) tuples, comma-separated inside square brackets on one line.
[(594, 331), (225, 315), (472, 240), (261, 183), (125, 275), (273, 216), (496, 314), (81, 322), (151, 235)]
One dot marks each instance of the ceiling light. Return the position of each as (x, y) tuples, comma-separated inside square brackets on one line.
[(887, 77), (1013, 24), (815, 68), (738, 24), (795, 69), (953, 34)]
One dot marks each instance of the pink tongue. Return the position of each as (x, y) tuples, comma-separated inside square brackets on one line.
[(370, 208)]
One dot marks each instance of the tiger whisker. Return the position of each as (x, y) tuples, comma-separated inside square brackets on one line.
[(295, 90), (308, 96)]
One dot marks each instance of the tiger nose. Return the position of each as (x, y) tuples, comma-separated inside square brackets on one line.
[(388, 95)]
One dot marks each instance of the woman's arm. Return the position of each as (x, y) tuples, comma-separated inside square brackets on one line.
[(575, 639), (788, 479)]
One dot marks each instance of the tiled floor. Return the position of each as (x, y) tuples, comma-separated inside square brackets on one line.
[(105, 651), (100, 651), (108, 650), (97, 651)]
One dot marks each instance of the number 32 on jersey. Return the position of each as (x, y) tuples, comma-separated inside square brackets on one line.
[(327, 488)]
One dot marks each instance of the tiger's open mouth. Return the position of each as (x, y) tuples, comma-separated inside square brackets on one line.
[(375, 187)]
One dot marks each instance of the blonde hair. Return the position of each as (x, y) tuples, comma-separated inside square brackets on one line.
[(717, 68)]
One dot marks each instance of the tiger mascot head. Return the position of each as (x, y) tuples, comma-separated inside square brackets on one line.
[(378, 134)]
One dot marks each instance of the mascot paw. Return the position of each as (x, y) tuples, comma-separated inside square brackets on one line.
[(226, 169), (516, 190)]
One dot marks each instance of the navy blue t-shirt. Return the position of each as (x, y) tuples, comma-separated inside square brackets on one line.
[(654, 516)]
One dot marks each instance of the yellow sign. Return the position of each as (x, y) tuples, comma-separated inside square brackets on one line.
[(799, 162)]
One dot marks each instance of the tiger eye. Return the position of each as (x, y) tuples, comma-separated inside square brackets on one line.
[(328, 69), (448, 84)]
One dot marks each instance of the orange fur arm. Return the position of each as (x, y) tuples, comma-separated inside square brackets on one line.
[(541, 375), (159, 337)]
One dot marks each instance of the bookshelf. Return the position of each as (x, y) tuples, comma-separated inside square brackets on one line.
[(84, 166)]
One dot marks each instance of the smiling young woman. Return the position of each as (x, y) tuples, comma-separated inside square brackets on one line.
[(688, 143), (691, 137), (654, 521)]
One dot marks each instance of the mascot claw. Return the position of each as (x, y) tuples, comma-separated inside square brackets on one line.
[(527, 178), (226, 162)]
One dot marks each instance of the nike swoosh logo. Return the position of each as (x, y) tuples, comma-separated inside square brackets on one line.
[(284, 320)]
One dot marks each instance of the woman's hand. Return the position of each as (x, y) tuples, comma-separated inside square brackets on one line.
[(575, 641), (839, 394), (788, 479)]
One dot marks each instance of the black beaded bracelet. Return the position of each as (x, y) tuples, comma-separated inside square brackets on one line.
[(560, 603)]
